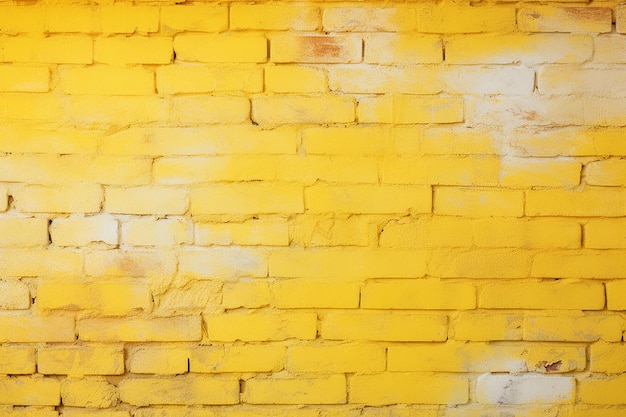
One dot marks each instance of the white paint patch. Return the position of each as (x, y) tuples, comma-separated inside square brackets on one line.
[(525, 389)]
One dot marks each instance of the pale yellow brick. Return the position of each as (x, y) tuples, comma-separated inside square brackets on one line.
[(194, 296), (487, 263), (244, 198), (410, 109), (427, 232), (245, 358), (589, 202), (24, 79), (246, 294), (311, 390), (564, 19), (151, 232), (330, 230), (445, 18), (620, 19), (525, 389), (482, 81), (158, 360), (194, 18), (301, 293), (125, 264), (377, 80), (30, 391), (146, 200), (156, 329), (336, 169), (487, 326), (442, 170), (55, 49), (549, 295), (261, 326), (71, 18), (610, 49), (274, 17), (81, 231), (80, 360), (615, 295), (478, 410), (478, 203), (23, 232), (177, 79), (98, 111), (79, 198), (27, 139), (25, 328), (229, 48), (526, 233), (607, 82), (573, 326), (252, 232), (525, 111), (21, 19), (17, 360), (283, 109), (346, 140), (104, 80), (610, 172), (210, 109), (602, 391), (603, 111), (368, 19), (580, 264), (387, 48), (417, 294), (323, 49), (527, 172), (127, 18), (605, 234), (180, 390), (459, 141), (223, 263), (214, 169), (35, 262), (124, 50), (295, 79), (337, 358), (608, 358)]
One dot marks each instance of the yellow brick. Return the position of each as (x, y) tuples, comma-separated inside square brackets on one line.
[(604, 202), (509, 49), (553, 358), (312, 390), (347, 263), (346, 140), (246, 358), (81, 231), (274, 17), (126, 18), (181, 390), (549, 295), (78, 412), (247, 199), (495, 263), (29, 329), (133, 50), (337, 358), (620, 19), (576, 81), (478, 203), (71, 18), (427, 232), (525, 389), (33, 262), (525, 172), (410, 109), (418, 294), (281, 109), (387, 49), (368, 19), (564, 19), (524, 111), (150, 232), (104, 298), (330, 230), (156, 329), (26, 139), (23, 232), (96, 111), (608, 358), (300, 293), (194, 296), (146, 200), (48, 411), (214, 169), (246, 294), (158, 360), (29, 107), (446, 18), (229, 48), (81, 360), (295, 79), (596, 411), (376, 79), (442, 171), (580, 264), (194, 18), (408, 388), (526, 233), (24, 79), (60, 49), (328, 49), (574, 327), (609, 172), (30, 391), (384, 326), (22, 19), (210, 109), (223, 263), (125, 264), (487, 326), (311, 169), (89, 393), (176, 79), (104, 80), (615, 295), (459, 141), (17, 360), (253, 232), (218, 140), (602, 391), (610, 49), (261, 326), (605, 234)]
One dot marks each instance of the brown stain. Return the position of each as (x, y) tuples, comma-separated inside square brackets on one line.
[(322, 46), (587, 13), (130, 266)]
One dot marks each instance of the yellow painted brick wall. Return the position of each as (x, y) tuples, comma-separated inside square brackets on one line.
[(312, 209)]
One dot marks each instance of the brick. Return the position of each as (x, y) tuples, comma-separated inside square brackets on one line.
[(130, 264), (30, 391), (427, 232), (525, 389), (282, 109), (550, 295), (610, 172), (487, 326), (346, 140), (25, 139), (573, 327), (337, 358), (78, 412), (247, 199), (513, 48), (579, 264), (321, 230), (321, 49), (80, 360), (81, 231), (526, 172), (223, 263), (194, 18), (259, 326), (493, 263), (588, 202), (150, 232), (26, 107), (408, 388), (126, 18), (274, 17), (34, 262), (103, 80), (570, 142), (620, 19), (247, 358), (177, 79), (608, 358), (594, 81), (368, 19), (210, 109), (347, 263), (466, 19), (193, 297), (337, 169), (246, 294), (253, 232), (17, 360), (610, 49), (146, 200), (459, 141), (478, 203), (126, 50), (418, 294), (104, 298), (564, 19), (214, 169), (300, 293), (410, 109), (23, 19), (327, 390), (442, 171), (615, 295), (229, 48), (98, 111), (475, 410), (31, 412), (55, 49), (181, 390), (376, 79), (602, 391), (603, 111), (156, 329), (23, 232), (24, 328), (387, 49), (71, 18), (524, 111), (216, 140), (24, 79), (605, 234), (482, 81), (295, 79), (526, 233), (157, 360), (88, 393), (384, 326)]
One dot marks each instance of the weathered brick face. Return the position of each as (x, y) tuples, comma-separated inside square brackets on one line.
[(312, 209)]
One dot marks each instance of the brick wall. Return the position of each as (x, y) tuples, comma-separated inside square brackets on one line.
[(312, 209)]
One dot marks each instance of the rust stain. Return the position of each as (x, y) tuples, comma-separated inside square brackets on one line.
[(590, 13), (321, 46)]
